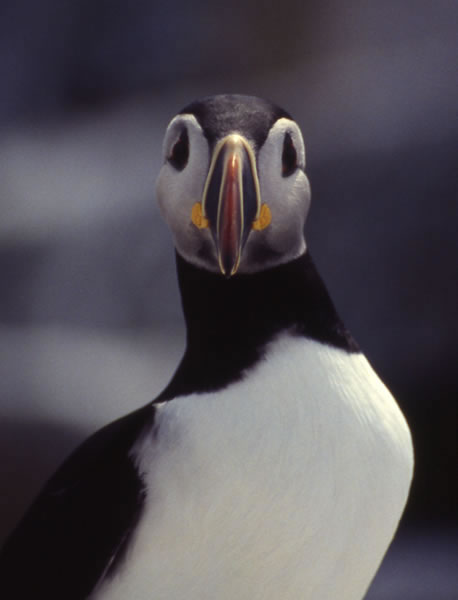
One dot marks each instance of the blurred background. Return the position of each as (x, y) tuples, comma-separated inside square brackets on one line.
[(90, 319)]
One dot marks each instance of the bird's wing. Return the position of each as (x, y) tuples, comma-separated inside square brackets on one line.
[(78, 527)]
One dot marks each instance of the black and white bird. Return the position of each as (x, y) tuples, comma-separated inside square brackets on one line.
[(275, 464)]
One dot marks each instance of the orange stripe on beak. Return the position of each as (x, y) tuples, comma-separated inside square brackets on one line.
[(230, 215)]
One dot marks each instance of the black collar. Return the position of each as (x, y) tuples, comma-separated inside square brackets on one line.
[(230, 321)]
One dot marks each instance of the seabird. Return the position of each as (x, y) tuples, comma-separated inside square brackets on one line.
[(275, 465)]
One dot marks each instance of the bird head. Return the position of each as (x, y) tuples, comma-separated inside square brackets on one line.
[(232, 187)]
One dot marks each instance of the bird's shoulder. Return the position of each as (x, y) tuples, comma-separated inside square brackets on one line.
[(80, 523)]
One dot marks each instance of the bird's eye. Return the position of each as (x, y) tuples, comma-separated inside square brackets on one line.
[(289, 156), (179, 155)]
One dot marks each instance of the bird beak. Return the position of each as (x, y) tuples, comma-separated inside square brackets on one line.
[(231, 202)]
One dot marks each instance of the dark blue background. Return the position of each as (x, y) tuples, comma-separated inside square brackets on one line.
[(90, 323)]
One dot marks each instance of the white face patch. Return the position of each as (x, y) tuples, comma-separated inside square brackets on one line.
[(178, 190), (285, 192), (287, 196)]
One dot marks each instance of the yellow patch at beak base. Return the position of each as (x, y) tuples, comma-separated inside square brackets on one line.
[(264, 219), (197, 217)]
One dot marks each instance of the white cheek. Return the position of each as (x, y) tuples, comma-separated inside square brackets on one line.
[(300, 196), (289, 200), (178, 191), (176, 194)]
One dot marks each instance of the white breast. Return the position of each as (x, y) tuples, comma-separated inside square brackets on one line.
[(286, 485)]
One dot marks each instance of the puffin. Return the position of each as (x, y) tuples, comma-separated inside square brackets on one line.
[(275, 464)]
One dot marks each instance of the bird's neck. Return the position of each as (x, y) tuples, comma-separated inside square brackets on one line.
[(230, 321)]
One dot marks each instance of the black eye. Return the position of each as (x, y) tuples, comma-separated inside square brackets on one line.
[(289, 156), (179, 155)]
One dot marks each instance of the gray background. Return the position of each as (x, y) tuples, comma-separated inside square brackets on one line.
[(90, 321)]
